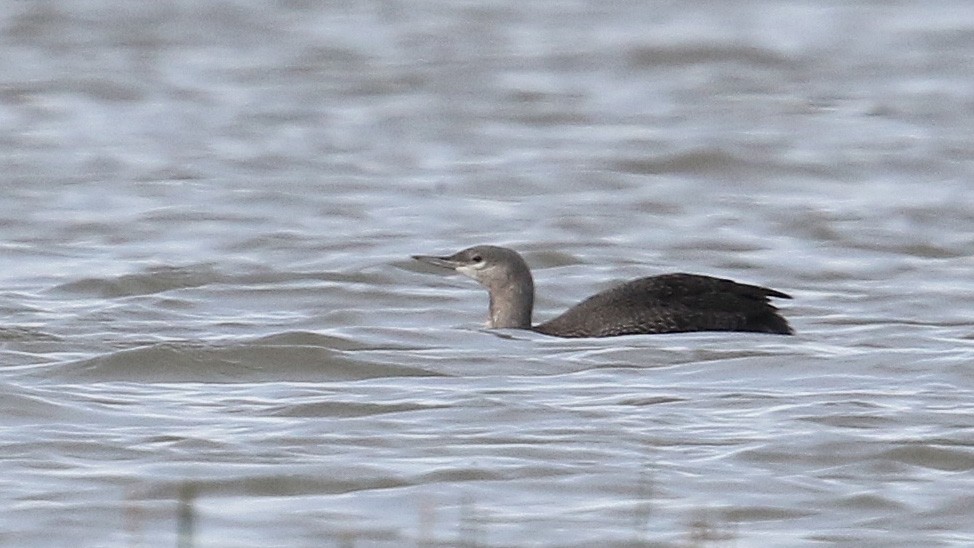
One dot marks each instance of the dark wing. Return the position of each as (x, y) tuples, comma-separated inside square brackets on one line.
[(672, 303)]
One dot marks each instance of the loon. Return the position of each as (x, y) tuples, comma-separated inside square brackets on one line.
[(670, 303)]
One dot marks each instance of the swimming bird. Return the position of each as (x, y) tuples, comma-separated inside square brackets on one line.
[(670, 303)]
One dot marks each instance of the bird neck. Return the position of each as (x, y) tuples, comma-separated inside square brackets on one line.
[(511, 305)]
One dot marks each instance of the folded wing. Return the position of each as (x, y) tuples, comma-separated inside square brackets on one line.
[(672, 303)]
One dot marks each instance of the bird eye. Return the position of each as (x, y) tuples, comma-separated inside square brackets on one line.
[(477, 258)]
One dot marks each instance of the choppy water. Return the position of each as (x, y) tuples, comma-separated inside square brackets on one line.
[(208, 208)]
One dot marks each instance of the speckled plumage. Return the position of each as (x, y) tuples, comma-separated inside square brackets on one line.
[(671, 303)]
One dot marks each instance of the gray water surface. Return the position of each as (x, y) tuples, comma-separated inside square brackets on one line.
[(213, 332)]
